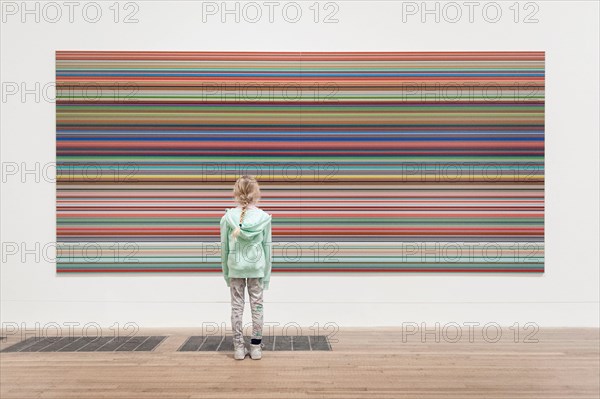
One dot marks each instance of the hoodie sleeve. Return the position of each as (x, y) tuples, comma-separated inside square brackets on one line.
[(225, 248), (268, 250)]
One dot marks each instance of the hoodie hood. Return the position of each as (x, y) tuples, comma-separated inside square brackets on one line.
[(254, 223)]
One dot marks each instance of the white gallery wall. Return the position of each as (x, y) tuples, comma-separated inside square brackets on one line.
[(567, 294)]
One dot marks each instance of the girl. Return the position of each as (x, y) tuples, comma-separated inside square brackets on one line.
[(246, 260)]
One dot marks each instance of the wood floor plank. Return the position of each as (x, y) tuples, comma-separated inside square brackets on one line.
[(365, 362)]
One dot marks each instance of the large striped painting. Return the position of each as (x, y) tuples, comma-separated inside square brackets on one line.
[(368, 161)]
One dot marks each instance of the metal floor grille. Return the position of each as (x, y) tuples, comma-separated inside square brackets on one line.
[(271, 343), (87, 344)]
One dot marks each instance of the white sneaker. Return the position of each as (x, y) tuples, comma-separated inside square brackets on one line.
[(256, 351), (240, 352)]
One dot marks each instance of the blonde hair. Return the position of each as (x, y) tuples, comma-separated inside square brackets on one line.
[(246, 192)]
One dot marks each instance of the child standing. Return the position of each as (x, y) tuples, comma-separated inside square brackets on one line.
[(246, 260)]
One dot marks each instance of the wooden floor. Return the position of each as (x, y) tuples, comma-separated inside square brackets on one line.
[(364, 362)]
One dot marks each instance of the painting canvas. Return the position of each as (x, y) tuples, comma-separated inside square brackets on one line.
[(368, 161)]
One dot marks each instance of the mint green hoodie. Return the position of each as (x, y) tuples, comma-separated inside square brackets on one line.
[(251, 255)]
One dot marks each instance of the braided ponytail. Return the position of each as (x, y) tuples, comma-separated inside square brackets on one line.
[(238, 229), (246, 192)]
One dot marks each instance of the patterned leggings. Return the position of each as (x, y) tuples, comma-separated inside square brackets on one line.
[(255, 292)]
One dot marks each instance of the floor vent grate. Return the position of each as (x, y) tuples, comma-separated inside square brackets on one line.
[(211, 343), (87, 344)]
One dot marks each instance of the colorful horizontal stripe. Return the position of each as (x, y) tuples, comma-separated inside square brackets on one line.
[(368, 161)]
